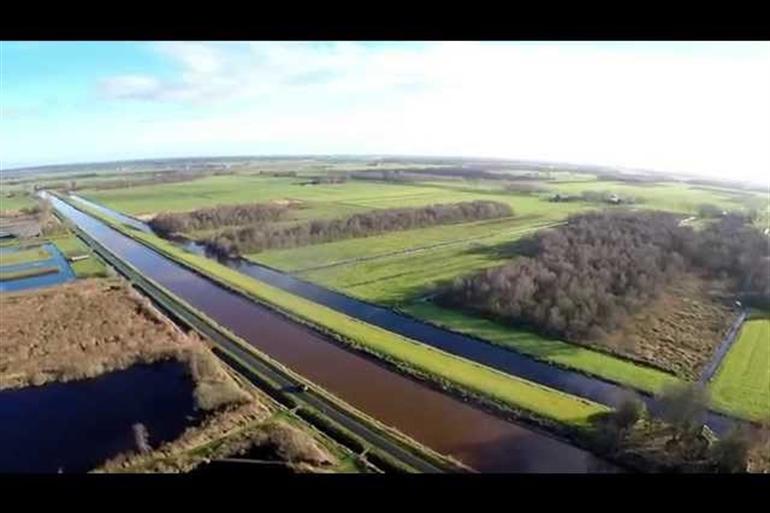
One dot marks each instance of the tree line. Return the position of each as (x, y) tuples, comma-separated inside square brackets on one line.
[(216, 217), (256, 238), (582, 280)]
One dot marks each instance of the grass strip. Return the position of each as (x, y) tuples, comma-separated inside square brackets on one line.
[(24, 256), (562, 354), (27, 273)]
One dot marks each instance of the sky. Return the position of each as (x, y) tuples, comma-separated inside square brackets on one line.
[(686, 107)]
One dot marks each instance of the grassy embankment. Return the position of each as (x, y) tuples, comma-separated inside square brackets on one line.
[(741, 385), (24, 256), (553, 351), (27, 273), (72, 247), (511, 392)]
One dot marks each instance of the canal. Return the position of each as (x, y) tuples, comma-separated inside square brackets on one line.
[(490, 355), (444, 423)]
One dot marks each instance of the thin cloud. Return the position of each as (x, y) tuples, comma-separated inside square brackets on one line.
[(683, 107), (132, 87)]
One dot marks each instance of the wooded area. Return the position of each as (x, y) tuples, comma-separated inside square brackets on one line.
[(256, 238), (216, 217), (581, 281)]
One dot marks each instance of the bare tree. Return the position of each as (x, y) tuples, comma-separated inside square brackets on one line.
[(141, 437), (629, 411)]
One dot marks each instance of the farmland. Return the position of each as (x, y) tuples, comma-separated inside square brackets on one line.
[(399, 269), (412, 356), (348, 251), (16, 202), (742, 383)]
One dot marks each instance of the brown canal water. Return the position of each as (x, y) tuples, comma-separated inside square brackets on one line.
[(444, 423)]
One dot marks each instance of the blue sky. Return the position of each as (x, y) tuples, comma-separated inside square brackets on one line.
[(700, 108)]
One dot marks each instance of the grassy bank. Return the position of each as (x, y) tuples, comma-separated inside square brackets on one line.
[(27, 273), (550, 350), (741, 386), (73, 248), (500, 387), (24, 256)]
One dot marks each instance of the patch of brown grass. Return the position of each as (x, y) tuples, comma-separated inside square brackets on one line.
[(680, 330), (80, 330)]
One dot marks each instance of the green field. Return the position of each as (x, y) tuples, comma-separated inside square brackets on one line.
[(742, 384), (397, 279), (402, 278), (339, 252), (71, 246), (217, 190), (673, 197), (24, 256), (396, 269), (560, 353), (16, 202), (346, 197), (468, 375)]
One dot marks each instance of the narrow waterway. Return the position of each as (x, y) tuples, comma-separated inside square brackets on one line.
[(448, 425), (490, 355)]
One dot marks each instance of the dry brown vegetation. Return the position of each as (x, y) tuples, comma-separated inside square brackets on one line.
[(679, 443), (678, 331), (20, 224), (233, 435), (80, 330), (84, 329)]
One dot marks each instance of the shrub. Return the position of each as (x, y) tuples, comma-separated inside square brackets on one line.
[(684, 406), (731, 453), (628, 413)]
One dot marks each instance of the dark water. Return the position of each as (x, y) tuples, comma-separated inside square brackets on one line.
[(446, 424), (75, 426), (487, 354)]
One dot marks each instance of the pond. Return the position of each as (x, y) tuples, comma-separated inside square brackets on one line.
[(74, 427)]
